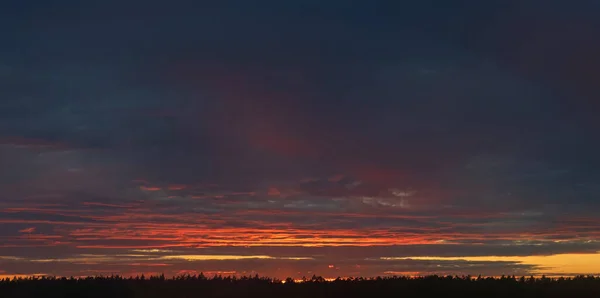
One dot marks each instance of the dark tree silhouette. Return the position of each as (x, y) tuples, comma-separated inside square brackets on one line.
[(315, 287)]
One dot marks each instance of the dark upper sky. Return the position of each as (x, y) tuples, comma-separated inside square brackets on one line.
[(298, 137)]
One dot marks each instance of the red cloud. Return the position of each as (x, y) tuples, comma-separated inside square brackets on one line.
[(273, 192)]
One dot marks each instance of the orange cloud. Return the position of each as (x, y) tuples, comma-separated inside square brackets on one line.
[(27, 230), (151, 188), (177, 187)]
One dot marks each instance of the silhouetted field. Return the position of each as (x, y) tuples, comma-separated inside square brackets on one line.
[(199, 286)]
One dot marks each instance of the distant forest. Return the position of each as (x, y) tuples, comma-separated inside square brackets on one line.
[(314, 287)]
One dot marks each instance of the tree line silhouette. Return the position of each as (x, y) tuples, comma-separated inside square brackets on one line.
[(314, 287)]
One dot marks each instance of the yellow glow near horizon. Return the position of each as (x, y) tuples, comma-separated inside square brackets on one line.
[(11, 276), (551, 264)]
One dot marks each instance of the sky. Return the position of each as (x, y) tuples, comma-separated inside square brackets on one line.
[(292, 138)]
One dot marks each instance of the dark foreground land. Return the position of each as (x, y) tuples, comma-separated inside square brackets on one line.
[(193, 286)]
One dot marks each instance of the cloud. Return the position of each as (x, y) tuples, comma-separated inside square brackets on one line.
[(27, 230), (417, 145), (564, 263)]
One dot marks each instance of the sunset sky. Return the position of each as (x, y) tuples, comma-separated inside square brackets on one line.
[(292, 138)]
